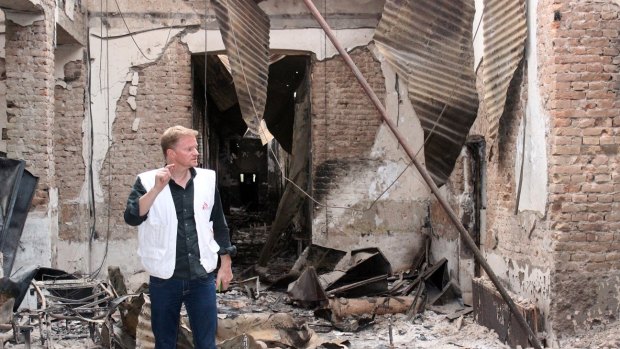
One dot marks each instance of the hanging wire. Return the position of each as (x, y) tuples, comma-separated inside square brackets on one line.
[(96, 272), (110, 155), (204, 123)]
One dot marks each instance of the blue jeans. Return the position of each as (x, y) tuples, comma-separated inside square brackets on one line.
[(198, 295)]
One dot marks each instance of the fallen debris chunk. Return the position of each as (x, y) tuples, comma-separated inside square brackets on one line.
[(342, 307), (251, 287), (365, 274), (117, 280), (307, 290), (322, 259)]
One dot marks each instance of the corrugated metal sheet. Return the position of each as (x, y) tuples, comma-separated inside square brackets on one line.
[(245, 31), (505, 31), (429, 43)]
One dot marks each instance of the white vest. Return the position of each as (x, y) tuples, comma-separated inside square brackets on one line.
[(157, 236)]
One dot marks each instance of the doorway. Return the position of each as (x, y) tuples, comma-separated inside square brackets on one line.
[(250, 175)]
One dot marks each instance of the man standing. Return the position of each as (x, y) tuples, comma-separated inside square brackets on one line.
[(182, 230)]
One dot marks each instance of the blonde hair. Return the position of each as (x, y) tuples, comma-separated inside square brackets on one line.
[(171, 136)]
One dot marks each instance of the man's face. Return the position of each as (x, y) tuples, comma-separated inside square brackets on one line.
[(185, 152)]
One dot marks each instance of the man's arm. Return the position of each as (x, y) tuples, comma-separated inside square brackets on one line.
[(132, 210), (221, 234), (140, 201), (162, 177)]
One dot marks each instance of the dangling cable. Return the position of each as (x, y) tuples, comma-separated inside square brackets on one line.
[(205, 121)]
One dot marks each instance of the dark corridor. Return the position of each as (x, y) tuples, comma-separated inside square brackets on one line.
[(250, 181)]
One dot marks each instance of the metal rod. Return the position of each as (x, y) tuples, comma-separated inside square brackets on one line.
[(427, 178)]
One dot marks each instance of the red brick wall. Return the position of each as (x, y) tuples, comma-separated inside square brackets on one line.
[(68, 148), (164, 99), (30, 101), (344, 121), (582, 87)]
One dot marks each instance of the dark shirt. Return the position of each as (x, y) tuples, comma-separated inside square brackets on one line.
[(187, 264)]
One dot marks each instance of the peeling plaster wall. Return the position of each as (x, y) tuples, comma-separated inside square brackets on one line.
[(115, 58), (446, 242), (38, 243)]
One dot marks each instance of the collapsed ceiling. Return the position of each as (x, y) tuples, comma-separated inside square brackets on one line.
[(429, 44), (245, 31)]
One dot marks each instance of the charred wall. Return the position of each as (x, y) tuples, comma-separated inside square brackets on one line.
[(355, 159), (557, 246)]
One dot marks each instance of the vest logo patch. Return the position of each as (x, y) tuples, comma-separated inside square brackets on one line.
[(205, 206)]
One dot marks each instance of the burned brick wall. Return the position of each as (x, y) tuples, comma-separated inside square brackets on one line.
[(71, 170), (582, 85), (344, 124), (350, 170), (344, 121), (162, 94)]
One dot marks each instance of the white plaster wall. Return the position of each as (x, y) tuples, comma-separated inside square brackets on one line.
[(534, 187), (24, 19), (477, 33)]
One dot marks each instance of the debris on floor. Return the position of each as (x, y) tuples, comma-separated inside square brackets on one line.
[(325, 298)]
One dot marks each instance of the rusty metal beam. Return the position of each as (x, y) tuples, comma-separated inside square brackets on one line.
[(427, 178)]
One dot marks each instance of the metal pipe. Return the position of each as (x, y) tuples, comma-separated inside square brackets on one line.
[(427, 178)]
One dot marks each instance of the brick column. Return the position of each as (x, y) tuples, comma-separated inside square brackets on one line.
[(581, 87), (30, 100)]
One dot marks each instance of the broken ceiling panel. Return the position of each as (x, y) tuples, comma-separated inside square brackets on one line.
[(505, 31), (429, 44), (245, 32)]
